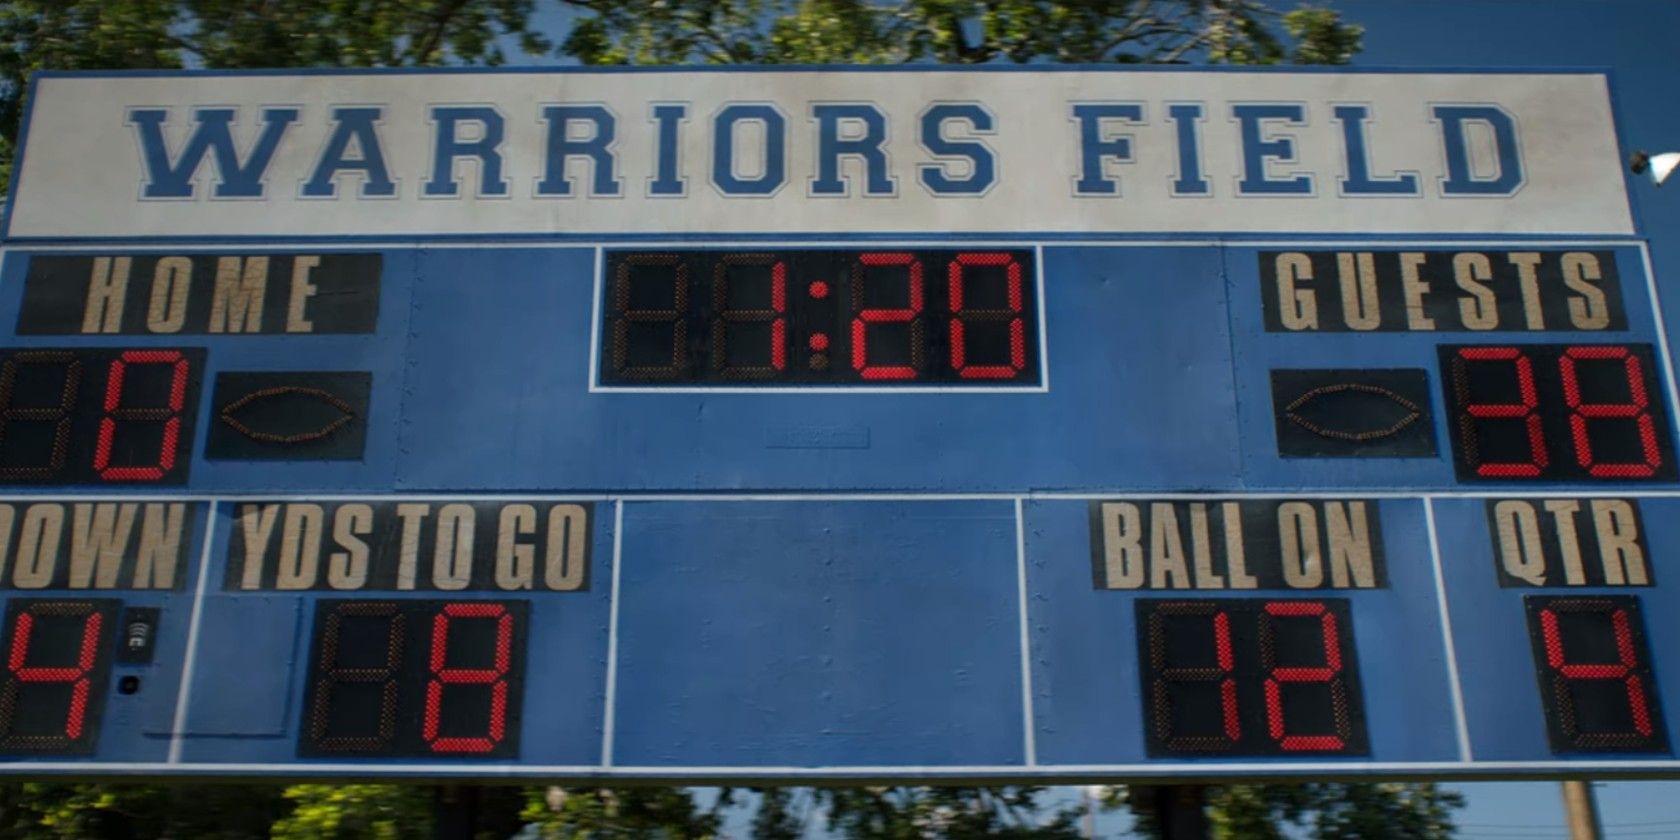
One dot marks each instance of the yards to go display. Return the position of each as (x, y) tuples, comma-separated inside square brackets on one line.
[(394, 678)]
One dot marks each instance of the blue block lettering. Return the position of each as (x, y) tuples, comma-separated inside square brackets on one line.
[(359, 125), (448, 146), (982, 163), (212, 136), (1359, 180), (1185, 116), (1093, 149), (1460, 179), (723, 150), (831, 147), (1257, 149), (562, 146), (666, 181)]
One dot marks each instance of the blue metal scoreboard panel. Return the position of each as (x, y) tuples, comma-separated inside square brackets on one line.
[(854, 501)]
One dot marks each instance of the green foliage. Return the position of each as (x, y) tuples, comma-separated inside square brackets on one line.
[(1363, 811), (646, 813), (775, 818), (954, 32), (355, 33), (145, 34), (946, 813), (363, 812), (1321, 37), (76, 35), (36, 811)]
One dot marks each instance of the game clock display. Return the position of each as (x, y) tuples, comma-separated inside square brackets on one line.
[(884, 317)]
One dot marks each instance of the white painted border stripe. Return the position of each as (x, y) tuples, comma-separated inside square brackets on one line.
[(797, 390), (1466, 763), (850, 496), (595, 319), (1557, 492), (1207, 240), (1460, 724), (1043, 332), (609, 713), (1662, 332), (183, 697), (1210, 769), (1562, 492), (600, 243), (1029, 721)]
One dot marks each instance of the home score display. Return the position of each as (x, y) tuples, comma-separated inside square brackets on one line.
[(833, 427)]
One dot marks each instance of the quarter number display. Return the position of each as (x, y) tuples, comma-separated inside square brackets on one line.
[(1250, 677), (415, 678), (1595, 674)]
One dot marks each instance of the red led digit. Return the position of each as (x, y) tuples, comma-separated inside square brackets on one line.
[(1524, 411), (443, 674), (1240, 676), (960, 316), (334, 673), (1622, 669), (631, 314), (1329, 674), (885, 315), (115, 411), (77, 674), (775, 316), (58, 415), (1168, 675), (1637, 408)]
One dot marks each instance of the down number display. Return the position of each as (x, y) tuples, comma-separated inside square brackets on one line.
[(58, 660), (1250, 677), (415, 678)]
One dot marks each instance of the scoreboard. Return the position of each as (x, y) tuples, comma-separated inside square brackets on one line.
[(783, 424)]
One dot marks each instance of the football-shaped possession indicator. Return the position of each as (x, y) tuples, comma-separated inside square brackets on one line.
[(1352, 411), (315, 415), (288, 414)]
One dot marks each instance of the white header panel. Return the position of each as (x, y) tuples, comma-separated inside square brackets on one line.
[(1087, 152)]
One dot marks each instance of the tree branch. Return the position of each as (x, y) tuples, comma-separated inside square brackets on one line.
[(426, 45)]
